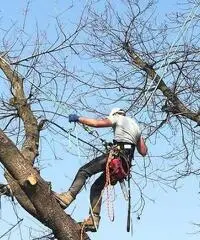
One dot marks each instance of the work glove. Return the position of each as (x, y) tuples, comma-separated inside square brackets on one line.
[(73, 118)]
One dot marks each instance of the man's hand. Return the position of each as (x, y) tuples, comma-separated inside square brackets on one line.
[(73, 118)]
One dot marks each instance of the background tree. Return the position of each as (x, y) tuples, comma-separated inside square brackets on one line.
[(152, 70), (117, 53)]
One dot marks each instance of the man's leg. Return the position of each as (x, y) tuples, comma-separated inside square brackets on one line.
[(95, 166), (92, 222), (96, 194)]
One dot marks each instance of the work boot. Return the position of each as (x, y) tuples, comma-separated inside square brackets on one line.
[(64, 199), (91, 224)]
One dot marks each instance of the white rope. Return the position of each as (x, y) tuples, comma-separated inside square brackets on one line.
[(182, 31), (69, 139), (77, 145)]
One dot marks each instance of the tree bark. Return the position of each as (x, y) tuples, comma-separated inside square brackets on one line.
[(37, 197)]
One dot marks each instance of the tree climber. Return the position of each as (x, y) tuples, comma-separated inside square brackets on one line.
[(127, 136)]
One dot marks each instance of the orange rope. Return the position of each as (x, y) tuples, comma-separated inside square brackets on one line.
[(108, 185)]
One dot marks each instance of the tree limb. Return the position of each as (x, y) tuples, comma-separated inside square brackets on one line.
[(177, 107), (19, 100), (47, 210)]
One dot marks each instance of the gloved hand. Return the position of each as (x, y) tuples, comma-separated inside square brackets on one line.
[(73, 118)]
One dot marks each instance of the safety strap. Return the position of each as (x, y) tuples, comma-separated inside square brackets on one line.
[(129, 205)]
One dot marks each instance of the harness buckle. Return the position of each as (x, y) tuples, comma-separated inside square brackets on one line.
[(127, 146)]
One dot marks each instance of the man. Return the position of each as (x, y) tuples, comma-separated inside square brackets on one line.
[(127, 136)]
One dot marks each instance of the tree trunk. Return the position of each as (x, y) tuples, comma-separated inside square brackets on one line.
[(34, 194)]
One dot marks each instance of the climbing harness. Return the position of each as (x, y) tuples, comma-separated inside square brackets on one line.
[(118, 167)]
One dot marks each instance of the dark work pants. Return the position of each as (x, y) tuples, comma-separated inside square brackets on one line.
[(97, 165)]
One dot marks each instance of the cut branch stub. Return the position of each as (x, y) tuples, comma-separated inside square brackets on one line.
[(32, 180)]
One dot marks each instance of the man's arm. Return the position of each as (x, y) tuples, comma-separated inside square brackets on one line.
[(142, 147), (95, 122)]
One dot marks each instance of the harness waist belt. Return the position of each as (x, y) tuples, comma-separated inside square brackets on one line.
[(124, 145)]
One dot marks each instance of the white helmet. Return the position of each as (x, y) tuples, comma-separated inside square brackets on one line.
[(116, 110)]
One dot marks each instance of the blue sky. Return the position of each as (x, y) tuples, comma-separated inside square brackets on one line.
[(169, 215)]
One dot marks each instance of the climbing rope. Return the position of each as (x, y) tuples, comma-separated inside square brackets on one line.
[(74, 136), (182, 31)]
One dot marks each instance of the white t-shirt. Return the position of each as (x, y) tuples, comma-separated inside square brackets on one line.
[(125, 129)]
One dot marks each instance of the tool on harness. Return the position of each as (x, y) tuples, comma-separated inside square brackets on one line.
[(119, 168), (124, 190), (118, 172)]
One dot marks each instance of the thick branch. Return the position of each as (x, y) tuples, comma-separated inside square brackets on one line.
[(178, 107), (47, 210), (20, 195), (30, 146)]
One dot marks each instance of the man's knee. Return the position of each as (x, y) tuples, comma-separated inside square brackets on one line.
[(97, 186)]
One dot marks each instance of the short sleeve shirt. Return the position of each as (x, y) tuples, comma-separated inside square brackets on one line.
[(125, 129)]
